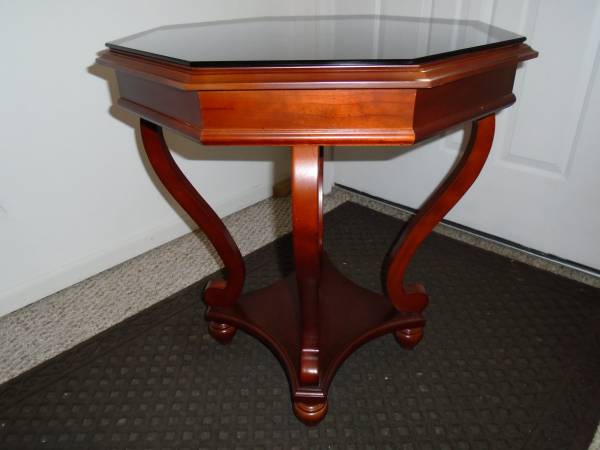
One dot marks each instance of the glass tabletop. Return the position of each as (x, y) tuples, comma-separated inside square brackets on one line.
[(314, 40)]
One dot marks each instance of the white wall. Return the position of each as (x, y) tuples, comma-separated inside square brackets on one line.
[(75, 195)]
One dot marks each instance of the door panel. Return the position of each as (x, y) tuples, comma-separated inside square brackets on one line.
[(540, 187)]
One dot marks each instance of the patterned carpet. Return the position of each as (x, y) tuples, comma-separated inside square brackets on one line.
[(510, 360)]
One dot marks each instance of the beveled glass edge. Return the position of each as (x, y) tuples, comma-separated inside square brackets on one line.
[(113, 45)]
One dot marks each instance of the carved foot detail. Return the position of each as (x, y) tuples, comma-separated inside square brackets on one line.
[(409, 337), (310, 413), (221, 332)]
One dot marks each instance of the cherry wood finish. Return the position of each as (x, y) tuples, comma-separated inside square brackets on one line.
[(348, 316), (414, 76), (340, 105), (315, 318), (412, 297), (307, 222), (221, 332)]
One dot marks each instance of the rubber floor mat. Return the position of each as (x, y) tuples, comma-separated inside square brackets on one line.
[(510, 360)]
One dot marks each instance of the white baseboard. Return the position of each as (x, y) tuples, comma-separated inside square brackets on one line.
[(42, 284)]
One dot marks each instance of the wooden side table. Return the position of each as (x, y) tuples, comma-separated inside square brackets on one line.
[(267, 81)]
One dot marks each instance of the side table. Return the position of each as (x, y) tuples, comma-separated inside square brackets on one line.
[(356, 80)]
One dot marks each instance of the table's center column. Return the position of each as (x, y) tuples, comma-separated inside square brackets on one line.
[(307, 222)]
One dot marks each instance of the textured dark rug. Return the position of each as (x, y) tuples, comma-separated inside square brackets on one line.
[(510, 360)]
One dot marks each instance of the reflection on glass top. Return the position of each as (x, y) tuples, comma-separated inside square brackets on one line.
[(309, 40)]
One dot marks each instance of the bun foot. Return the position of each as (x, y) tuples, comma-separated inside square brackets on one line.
[(310, 413), (409, 337), (222, 332)]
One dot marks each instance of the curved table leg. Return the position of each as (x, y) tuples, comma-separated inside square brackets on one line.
[(217, 292), (413, 298), (307, 217)]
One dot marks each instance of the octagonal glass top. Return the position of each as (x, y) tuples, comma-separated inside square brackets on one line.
[(314, 40)]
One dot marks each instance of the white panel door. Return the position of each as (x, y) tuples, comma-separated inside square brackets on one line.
[(541, 185)]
